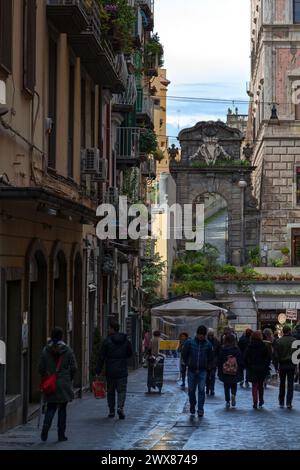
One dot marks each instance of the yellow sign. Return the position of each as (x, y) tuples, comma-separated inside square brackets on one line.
[(170, 345), (241, 328)]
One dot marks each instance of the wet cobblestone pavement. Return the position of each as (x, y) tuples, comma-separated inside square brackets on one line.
[(163, 422)]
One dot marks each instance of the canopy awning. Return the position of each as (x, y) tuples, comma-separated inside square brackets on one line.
[(188, 306)]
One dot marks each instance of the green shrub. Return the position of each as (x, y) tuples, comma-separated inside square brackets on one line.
[(229, 269)]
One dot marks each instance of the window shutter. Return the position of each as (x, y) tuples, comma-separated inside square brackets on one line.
[(6, 35), (29, 41)]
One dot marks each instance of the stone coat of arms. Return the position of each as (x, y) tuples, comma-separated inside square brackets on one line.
[(211, 150)]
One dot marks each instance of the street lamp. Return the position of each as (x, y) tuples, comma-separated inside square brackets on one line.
[(243, 185)]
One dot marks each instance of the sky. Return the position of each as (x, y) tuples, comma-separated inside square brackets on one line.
[(207, 49)]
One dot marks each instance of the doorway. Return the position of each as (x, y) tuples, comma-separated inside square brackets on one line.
[(13, 325), (77, 321), (296, 247), (37, 320), (60, 291)]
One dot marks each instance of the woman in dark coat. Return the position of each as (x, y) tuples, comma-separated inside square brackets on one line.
[(230, 352), (257, 361), (57, 356)]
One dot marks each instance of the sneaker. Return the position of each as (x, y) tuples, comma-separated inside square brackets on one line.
[(62, 438), (233, 401), (200, 413), (111, 414), (212, 394), (121, 414), (192, 410), (44, 433), (227, 405), (281, 405), (255, 406)]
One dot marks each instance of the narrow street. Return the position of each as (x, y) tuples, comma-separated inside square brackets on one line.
[(164, 423)]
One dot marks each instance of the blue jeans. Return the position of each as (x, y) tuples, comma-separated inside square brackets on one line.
[(197, 380)]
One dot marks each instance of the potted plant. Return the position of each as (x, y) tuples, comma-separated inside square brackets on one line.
[(117, 24), (153, 55), (286, 259)]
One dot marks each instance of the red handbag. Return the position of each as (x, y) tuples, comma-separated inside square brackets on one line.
[(99, 389), (48, 383)]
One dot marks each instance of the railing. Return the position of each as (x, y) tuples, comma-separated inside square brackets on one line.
[(121, 68), (144, 104), (80, 3), (128, 98), (128, 142)]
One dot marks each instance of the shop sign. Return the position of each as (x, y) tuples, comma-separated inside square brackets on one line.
[(292, 314)]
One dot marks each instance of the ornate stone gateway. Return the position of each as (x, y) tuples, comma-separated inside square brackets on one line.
[(211, 163)]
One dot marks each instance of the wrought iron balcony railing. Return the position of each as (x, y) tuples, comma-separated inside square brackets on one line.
[(128, 143), (145, 106), (68, 16), (126, 100)]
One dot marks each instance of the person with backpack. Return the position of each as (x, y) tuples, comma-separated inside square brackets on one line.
[(230, 366), (197, 353), (114, 353), (59, 364), (257, 360)]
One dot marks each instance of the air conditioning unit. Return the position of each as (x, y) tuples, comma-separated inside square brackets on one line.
[(112, 196), (90, 159), (102, 175)]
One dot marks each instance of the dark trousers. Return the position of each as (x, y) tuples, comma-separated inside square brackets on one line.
[(286, 373), (183, 371), (119, 386), (62, 416), (258, 391), (211, 380), (245, 372), (229, 388)]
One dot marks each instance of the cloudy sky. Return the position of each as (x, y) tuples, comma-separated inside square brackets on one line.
[(207, 48)]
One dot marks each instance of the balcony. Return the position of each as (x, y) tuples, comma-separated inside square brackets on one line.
[(128, 146), (144, 109), (68, 16), (106, 69), (125, 102)]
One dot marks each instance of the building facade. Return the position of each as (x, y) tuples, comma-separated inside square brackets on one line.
[(273, 127), (68, 97)]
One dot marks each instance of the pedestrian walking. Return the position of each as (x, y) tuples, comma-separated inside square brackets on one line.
[(114, 355), (243, 344), (284, 352), (268, 339), (155, 377), (297, 337), (211, 373), (183, 337), (57, 360), (230, 366), (197, 354), (257, 361)]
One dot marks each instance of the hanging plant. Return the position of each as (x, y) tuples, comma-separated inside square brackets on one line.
[(118, 20), (148, 141)]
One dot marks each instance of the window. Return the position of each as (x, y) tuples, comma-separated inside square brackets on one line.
[(296, 11), (298, 184), (6, 35), (52, 102), (29, 44)]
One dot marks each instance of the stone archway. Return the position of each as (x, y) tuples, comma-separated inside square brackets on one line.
[(211, 164)]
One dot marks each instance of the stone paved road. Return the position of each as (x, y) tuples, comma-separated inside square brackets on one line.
[(162, 422)]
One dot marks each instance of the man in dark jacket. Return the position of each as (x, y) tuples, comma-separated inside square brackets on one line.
[(284, 352), (297, 337), (58, 357), (243, 345), (211, 373), (197, 353), (114, 353)]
